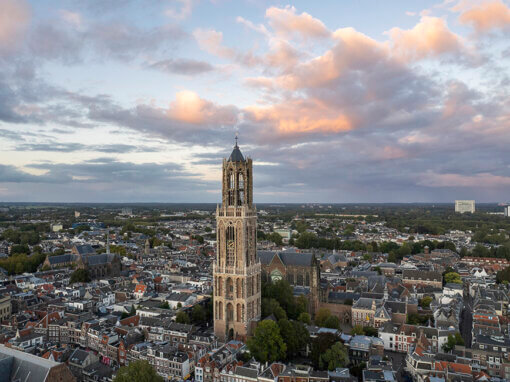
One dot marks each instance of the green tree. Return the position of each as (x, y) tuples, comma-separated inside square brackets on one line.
[(332, 322), (137, 371), (370, 331), (503, 275), (165, 305), (301, 304), (453, 340), (321, 316), (305, 318), (198, 314), (357, 330), (275, 238), (282, 292), (320, 345), (182, 318), (336, 356), (294, 334), (267, 344), (80, 276), (452, 277), (425, 302)]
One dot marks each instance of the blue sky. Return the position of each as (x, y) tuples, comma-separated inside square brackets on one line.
[(336, 101)]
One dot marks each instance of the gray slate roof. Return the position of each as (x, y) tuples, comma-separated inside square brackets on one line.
[(287, 258), (236, 155), (18, 365)]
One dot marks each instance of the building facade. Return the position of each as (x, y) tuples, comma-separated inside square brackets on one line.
[(463, 206), (236, 271)]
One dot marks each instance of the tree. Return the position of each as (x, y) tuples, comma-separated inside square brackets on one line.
[(294, 334), (282, 292), (165, 305), (137, 371), (267, 344), (357, 330), (370, 331), (182, 318), (301, 304), (332, 322), (305, 318), (452, 277), (336, 356), (80, 276), (425, 302), (19, 268), (503, 275), (320, 345), (198, 314), (321, 316), (453, 340), (275, 238)]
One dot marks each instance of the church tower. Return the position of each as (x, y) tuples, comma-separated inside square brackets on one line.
[(236, 270)]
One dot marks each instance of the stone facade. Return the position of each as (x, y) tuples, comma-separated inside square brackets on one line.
[(236, 271)]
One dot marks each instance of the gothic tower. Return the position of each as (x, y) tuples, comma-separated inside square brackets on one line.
[(236, 270)]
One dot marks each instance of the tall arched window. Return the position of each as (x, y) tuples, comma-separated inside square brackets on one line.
[(240, 188), (230, 246)]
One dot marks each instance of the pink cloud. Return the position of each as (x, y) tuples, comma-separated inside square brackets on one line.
[(486, 16), (298, 117), (188, 107), (211, 41), (430, 37), (287, 23), (14, 19)]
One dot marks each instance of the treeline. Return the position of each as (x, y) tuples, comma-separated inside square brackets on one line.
[(30, 234), (439, 221), (20, 263)]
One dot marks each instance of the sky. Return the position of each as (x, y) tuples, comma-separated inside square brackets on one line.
[(335, 101)]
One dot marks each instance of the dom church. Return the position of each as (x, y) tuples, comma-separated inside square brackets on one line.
[(237, 271)]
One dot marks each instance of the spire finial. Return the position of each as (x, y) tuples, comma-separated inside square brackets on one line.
[(236, 140)]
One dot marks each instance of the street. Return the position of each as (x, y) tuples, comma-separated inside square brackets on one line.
[(466, 321)]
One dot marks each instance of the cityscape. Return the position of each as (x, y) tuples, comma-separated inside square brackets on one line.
[(220, 191)]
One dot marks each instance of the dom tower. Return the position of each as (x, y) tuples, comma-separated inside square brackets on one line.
[(236, 270)]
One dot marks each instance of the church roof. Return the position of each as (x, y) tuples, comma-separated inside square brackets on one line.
[(236, 155), (287, 258)]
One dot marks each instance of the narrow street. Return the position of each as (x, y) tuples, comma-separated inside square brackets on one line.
[(466, 321)]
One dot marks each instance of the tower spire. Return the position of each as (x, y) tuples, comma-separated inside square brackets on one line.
[(236, 146)]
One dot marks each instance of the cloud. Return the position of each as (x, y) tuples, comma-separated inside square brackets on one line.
[(14, 20), (188, 107), (182, 66), (299, 117), (72, 18), (487, 16), (211, 41), (288, 24), (429, 38), (189, 118), (483, 180), (116, 148), (182, 13)]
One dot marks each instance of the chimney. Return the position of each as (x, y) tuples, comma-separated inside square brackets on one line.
[(426, 249)]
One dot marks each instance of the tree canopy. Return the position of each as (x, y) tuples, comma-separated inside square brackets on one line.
[(137, 371), (267, 344), (335, 356), (80, 276)]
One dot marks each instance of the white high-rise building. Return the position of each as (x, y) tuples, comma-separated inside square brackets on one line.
[(507, 210), (463, 206)]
